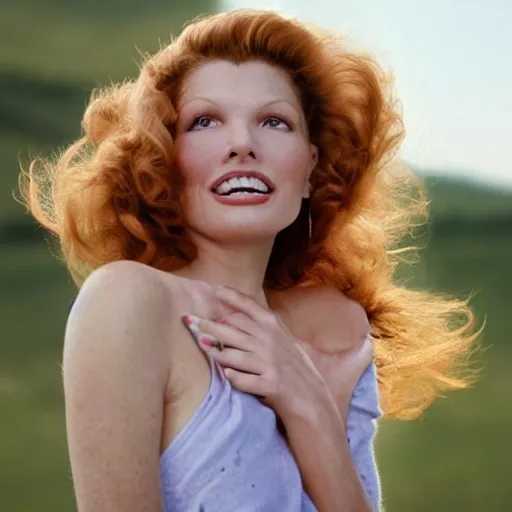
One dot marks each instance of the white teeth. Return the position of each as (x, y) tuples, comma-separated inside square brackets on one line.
[(242, 182)]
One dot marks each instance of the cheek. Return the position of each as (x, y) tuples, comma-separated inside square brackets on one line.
[(291, 158), (197, 157)]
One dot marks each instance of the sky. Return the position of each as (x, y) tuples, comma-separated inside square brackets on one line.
[(452, 61)]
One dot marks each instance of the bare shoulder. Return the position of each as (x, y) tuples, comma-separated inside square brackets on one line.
[(120, 288), (342, 309), (123, 276), (115, 372), (122, 311), (338, 326), (329, 317)]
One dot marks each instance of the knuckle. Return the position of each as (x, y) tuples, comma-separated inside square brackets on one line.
[(253, 381), (228, 358), (233, 376), (272, 361), (228, 290), (270, 319), (240, 357), (273, 383), (268, 389)]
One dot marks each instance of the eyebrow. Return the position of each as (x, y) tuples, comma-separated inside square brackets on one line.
[(268, 103)]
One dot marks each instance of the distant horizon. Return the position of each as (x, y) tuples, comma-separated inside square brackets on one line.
[(451, 79), (461, 176)]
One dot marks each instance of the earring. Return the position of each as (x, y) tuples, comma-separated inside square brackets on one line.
[(310, 222)]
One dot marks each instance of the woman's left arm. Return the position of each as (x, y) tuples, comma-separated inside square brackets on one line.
[(338, 467)]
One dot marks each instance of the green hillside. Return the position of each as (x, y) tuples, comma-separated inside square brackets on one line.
[(453, 198), (51, 55)]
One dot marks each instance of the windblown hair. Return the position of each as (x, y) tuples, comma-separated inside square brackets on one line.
[(114, 193)]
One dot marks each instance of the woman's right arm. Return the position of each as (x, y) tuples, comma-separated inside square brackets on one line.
[(115, 370)]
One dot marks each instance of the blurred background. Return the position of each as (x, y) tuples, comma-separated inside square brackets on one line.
[(450, 62)]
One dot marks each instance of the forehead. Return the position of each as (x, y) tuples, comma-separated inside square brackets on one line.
[(224, 80)]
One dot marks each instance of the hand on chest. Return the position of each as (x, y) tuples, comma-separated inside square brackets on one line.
[(330, 327)]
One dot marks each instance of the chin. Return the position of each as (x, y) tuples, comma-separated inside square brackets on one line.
[(242, 232)]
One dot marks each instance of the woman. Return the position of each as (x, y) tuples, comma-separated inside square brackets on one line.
[(241, 190)]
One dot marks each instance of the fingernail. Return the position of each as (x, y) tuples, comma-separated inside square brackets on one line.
[(205, 341), (191, 320), (191, 325)]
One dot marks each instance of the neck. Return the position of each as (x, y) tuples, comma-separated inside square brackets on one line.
[(239, 267)]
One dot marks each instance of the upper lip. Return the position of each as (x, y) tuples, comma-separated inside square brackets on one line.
[(234, 174)]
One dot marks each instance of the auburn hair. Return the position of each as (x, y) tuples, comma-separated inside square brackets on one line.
[(114, 193)]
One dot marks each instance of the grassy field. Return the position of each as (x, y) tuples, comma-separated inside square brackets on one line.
[(455, 458)]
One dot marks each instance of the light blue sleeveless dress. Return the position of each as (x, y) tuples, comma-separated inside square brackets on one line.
[(231, 457)]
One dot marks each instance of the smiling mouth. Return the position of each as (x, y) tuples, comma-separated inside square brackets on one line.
[(236, 183), (242, 185), (242, 191)]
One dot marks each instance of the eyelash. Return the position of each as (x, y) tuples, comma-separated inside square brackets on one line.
[(194, 123)]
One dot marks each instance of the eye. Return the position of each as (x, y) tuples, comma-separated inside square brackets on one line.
[(201, 122), (274, 122)]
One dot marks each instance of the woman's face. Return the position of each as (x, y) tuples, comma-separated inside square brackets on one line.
[(236, 118)]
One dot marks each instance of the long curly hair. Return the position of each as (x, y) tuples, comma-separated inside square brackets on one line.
[(114, 193)]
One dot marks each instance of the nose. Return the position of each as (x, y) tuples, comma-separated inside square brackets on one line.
[(241, 144)]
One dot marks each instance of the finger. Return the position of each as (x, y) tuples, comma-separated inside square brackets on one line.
[(242, 322), (246, 382), (192, 325), (245, 304), (229, 336), (238, 360)]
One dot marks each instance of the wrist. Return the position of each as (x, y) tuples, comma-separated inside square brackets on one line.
[(317, 412), (318, 441)]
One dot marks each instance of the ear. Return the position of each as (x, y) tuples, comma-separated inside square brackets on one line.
[(313, 163)]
